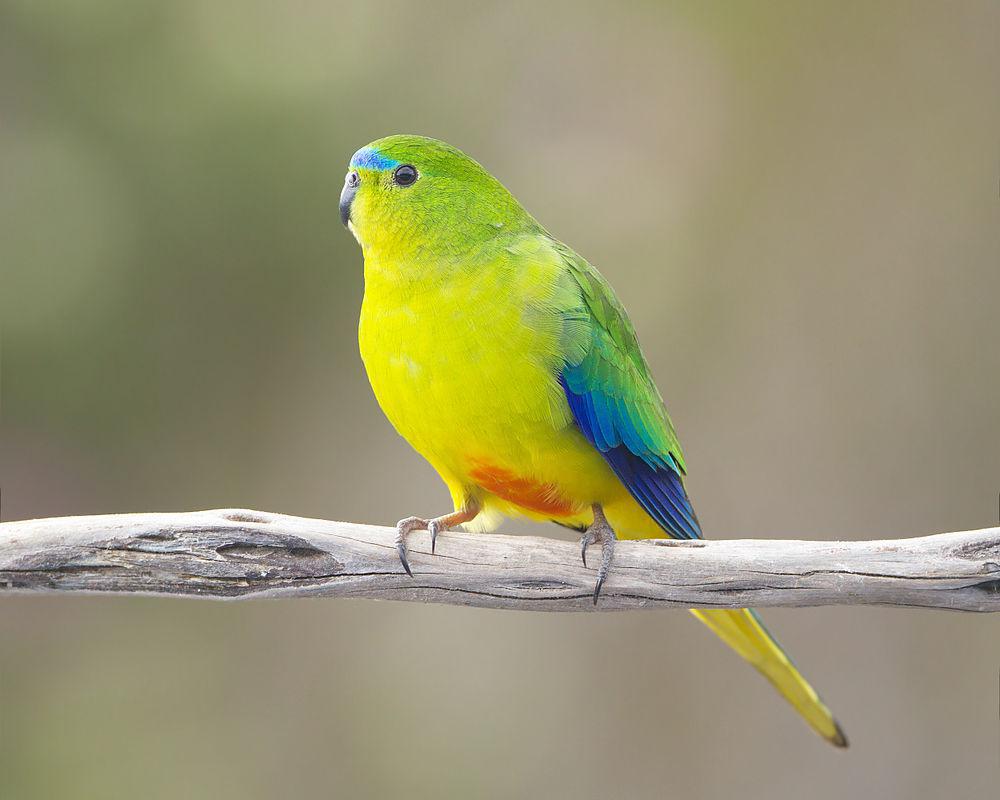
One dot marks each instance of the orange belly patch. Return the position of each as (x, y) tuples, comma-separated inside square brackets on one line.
[(543, 498)]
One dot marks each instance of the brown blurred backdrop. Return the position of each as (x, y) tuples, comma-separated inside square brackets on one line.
[(797, 202)]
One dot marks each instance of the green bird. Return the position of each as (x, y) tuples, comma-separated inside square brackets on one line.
[(506, 361)]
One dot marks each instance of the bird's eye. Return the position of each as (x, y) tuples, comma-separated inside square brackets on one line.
[(353, 180), (404, 175)]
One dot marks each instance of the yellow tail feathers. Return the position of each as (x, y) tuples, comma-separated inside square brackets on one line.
[(742, 630)]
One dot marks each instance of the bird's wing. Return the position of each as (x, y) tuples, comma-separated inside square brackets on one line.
[(616, 404)]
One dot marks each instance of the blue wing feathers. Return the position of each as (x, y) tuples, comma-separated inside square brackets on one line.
[(658, 491), (606, 419), (621, 434)]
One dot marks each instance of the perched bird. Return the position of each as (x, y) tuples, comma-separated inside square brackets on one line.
[(506, 361)]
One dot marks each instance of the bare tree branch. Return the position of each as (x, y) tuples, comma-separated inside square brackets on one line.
[(241, 554)]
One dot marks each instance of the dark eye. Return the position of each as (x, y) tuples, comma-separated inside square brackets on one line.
[(353, 180), (404, 175)]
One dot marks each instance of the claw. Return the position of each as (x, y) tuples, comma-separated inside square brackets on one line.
[(600, 531), (597, 588), (432, 529), (607, 554), (403, 527), (401, 549)]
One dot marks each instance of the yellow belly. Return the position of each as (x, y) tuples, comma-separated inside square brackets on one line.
[(471, 384)]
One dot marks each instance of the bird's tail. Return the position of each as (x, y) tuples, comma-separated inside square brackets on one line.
[(743, 631)]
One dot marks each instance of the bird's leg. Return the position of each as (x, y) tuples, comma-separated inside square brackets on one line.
[(600, 532), (435, 526)]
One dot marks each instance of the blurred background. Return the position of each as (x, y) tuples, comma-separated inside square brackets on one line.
[(798, 202)]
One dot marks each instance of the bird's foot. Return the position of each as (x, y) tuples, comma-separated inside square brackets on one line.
[(434, 526), (600, 532), (403, 528)]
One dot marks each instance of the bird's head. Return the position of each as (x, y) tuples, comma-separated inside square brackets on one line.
[(407, 197)]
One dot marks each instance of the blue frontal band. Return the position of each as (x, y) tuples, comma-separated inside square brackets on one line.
[(370, 158)]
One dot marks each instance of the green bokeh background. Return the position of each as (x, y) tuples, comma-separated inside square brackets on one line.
[(798, 202)]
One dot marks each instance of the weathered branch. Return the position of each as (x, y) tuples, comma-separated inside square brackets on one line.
[(239, 554)]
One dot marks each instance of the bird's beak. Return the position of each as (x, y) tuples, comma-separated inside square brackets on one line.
[(347, 196)]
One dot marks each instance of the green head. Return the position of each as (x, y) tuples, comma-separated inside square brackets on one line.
[(409, 197)]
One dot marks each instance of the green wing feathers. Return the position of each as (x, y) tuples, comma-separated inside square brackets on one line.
[(616, 405), (613, 363)]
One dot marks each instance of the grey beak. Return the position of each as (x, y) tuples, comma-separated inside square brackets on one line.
[(347, 196)]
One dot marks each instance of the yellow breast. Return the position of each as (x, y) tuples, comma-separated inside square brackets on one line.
[(465, 368)]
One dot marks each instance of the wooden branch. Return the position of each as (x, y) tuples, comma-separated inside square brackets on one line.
[(242, 554)]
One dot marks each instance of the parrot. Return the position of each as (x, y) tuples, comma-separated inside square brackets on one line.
[(506, 360)]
